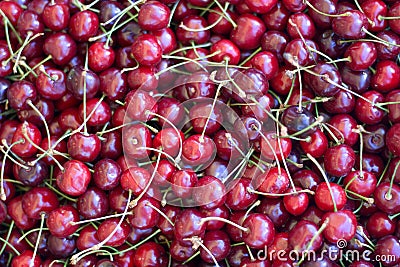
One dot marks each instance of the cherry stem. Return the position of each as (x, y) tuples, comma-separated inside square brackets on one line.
[(139, 244), (207, 219), (322, 228), (2, 192), (10, 228), (271, 148), (368, 200), (173, 9), (161, 213), (379, 39), (380, 17), (388, 195), (75, 258), (280, 194), (32, 262), (29, 102), (328, 127), (201, 139), (247, 59), (197, 242), (6, 243), (29, 232), (360, 230), (7, 23), (384, 170), (325, 178), (59, 193), (178, 157), (134, 202), (183, 26), (240, 166), (323, 13), (256, 204), (115, 128), (35, 67), (101, 218), (163, 153)]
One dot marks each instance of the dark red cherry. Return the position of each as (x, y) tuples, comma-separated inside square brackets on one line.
[(388, 247), (61, 221), (297, 120), (357, 81), (361, 55), (169, 141), (134, 139), (228, 51), (56, 16), (106, 174), (267, 62), (301, 235), (350, 24), (380, 225), (341, 102), (76, 82), (317, 145), (222, 25), (394, 109), (261, 230), (374, 139), (38, 201), (29, 21), (344, 128), (297, 203), (341, 225), (301, 25), (61, 47), (83, 147), (374, 10), (107, 227), (193, 30), (197, 150), (101, 56), (113, 83), (270, 146), (393, 139), (326, 201), (325, 84), (188, 224), (33, 175), (386, 77), (277, 17), (18, 215), (238, 196), (74, 179), (365, 111), (385, 51), (12, 10), (83, 25), (26, 259), (51, 85), (150, 254), (139, 103), (209, 192), (153, 15), (28, 137), (361, 182), (326, 7), (93, 203), (19, 93), (146, 50), (331, 44), (166, 38), (183, 183), (145, 215), (387, 197), (179, 252), (248, 33), (339, 160), (297, 52), (216, 242)]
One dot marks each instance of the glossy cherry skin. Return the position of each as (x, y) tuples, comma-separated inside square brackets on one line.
[(373, 10), (393, 139), (388, 245), (56, 16), (320, 84), (198, 151), (61, 47), (93, 203), (166, 38), (394, 109), (74, 179), (29, 21), (385, 200), (25, 148), (150, 254), (361, 182), (113, 83), (275, 181), (340, 225), (301, 234), (39, 200), (179, 252), (361, 55), (76, 82), (59, 221), (153, 15), (120, 235), (297, 53), (388, 52), (323, 197), (387, 76), (133, 138), (210, 193), (82, 147), (87, 238), (343, 127), (12, 10), (339, 160), (238, 197), (350, 26), (218, 243), (296, 204), (374, 140), (168, 140), (106, 174), (224, 26), (341, 102), (26, 259), (228, 51), (83, 25), (146, 50), (380, 225), (99, 111), (198, 36), (300, 24), (248, 33), (188, 224), (317, 145), (18, 94), (144, 216), (268, 148), (16, 212), (261, 230), (53, 88), (274, 42), (365, 111), (101, 56), (358, 81), (394, 11)]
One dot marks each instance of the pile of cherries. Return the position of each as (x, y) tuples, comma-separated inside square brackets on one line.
[(199, 132)]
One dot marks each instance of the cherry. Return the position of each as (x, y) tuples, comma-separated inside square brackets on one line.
[(344, 127), (61, 247), (198, 150), (183, 183), (135, 179), (19, 93), (270, 146), (297, 203), (394, 11), (361, 55), (16, 212), (249, 30), (393, 139), (118, 199), (106, 174), (385, 246), (294, 5), (39, 200), (134, 139), (87, 238), (350, 24), (93, 203), (302, 233), (83, 25), (179, 252), (29, 21), (267, 62), (329, 198), (261, 231), (385, 51), (386, 197), (394, 97), (298, 52), (166, 38), (380, 225), (118, 237), (146, 50), (275, 181), (26, 258), (100, 56), (209, 192), (33, 175), (99, 111), (223, 25), (82, 82), (341, 102), (317, 145), (145, 215), (168, 140), (153, 15), (300, 24), (127, 34), (12, 10), (325, 84), (56, 16), (193, 29), (83, 147), (361, 182), (188, 224), (339, 160), (366, 111), (340, 225), (61, 221), (27, 138), (227, 51), (113, 83), (357, 81), (74, 179), (150, 254), (387, 76), (238, 196), (51, 86)]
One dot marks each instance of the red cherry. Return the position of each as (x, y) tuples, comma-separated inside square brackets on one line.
[(339, 160), (100, 56), (323, 197), (83, 25), (146, 50), (120, 235), (83, 147), (341, 225), (153, 15), (61, 221), (261, 231), (248, 33), (393, 139), (74, 179), (26, 133), (26, 259), (56, 16)]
